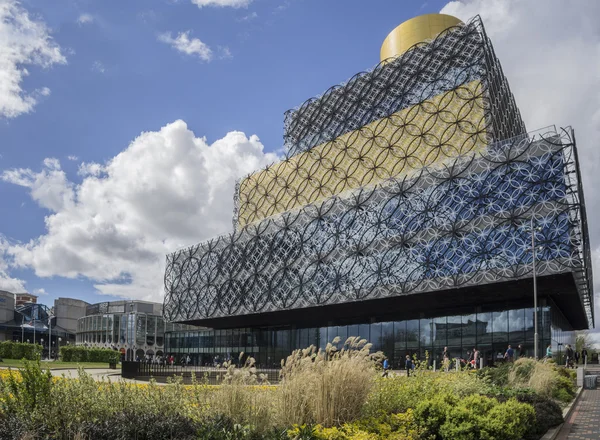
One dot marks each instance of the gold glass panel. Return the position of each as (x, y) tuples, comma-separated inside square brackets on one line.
[(426, 134)]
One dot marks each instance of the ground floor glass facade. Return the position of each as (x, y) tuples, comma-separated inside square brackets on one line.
[(491, 332)]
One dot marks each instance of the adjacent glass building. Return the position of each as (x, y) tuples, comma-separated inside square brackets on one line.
[(135, 328), (402, 213)]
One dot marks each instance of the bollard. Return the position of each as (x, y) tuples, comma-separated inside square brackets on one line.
[(580, 376), (480, 363), (457, 362), (434, 365)]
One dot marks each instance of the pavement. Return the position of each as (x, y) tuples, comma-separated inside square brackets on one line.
[(96, 373), (584, 421)]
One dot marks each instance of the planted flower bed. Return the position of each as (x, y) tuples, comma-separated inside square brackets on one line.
[(336, 394)]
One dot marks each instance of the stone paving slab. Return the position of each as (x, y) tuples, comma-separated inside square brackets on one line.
[(584, 421)]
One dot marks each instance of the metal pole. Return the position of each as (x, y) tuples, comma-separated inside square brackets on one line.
[(535, 307), (50, 336)]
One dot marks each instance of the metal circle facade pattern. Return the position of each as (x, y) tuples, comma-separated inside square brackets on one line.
[(462, 224), (416, 176)]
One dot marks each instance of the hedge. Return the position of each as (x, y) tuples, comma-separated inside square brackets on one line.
[(20, 350), (83, 354)]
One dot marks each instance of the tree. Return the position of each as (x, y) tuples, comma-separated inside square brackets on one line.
[(583, 340)]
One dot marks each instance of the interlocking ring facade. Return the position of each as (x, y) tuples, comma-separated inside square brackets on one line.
[(465, 223), (417, 176), (439, 100)]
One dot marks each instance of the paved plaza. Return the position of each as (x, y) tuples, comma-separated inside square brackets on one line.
[(584, 421)]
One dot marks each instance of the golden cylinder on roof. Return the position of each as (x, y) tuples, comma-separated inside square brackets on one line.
[(413, 31)]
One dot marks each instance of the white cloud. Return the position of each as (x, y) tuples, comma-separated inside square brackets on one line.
[(184, 44), (40, 292), (166, 190), (73, 158), (8, 283), (224, 53), (85, 19), (99, 67), (249, 17), (551, 57), (49, 188), (90, 169), (23, 42), (222, 3)]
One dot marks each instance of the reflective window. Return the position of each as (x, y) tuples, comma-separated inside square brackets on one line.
[(160, 331), (150, 330)]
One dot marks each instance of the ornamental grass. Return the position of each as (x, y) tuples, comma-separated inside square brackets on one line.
[(336, 393), (327, 387)]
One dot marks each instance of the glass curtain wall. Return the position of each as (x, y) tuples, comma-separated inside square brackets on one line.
[(490, 332)]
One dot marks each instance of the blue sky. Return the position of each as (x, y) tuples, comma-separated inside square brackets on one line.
[(119, 74)]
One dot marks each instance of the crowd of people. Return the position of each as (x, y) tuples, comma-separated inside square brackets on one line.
[(474, 358), (165, 360)]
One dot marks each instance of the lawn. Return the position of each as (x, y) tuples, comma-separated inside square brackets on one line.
[(53, 365)]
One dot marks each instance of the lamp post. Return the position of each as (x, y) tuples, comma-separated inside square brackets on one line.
[(535, 305), (50, 336)]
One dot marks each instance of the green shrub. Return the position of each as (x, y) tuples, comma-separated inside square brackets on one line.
[(431, 413), (547, 414), (18, 350), (141, 426), (563, 389), (83, 354), (6, 349), (23, 396), (397, 394), (390, 427), (478, 417), (508, 421), (497, 376), (12, 427)]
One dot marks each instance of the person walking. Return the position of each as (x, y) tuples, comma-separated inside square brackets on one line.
[(386, 367), (577, 357), (509, 356), (521, 351), (548, 352), (584, 355), (446, 359), (568, 356), (476, 357), (408, 365)]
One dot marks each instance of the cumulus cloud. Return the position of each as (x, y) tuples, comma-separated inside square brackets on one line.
[(72, 158), (222, 3), (23, 42), (551, 56), (40, 292), (166, 190), (189, 46), (85, 19), (8, 283)]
